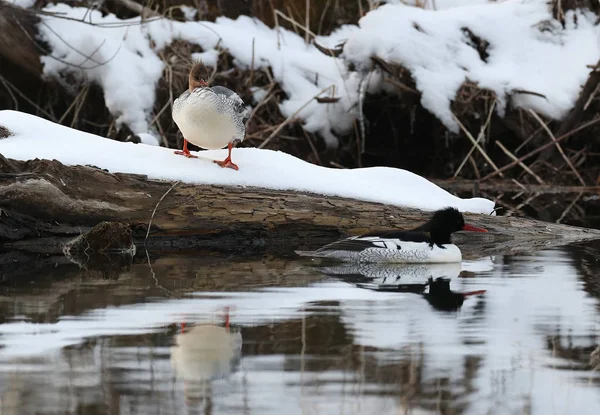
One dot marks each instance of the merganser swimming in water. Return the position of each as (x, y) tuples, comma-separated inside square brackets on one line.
[(209, 117), (428, 243)]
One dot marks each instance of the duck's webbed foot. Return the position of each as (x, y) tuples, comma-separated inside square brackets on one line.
[(227, 162), (185, 151)]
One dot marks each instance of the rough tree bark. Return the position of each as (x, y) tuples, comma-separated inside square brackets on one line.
[(44, 198)]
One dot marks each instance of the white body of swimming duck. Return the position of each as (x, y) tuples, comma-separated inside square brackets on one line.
[(428, 243), (210, 117)]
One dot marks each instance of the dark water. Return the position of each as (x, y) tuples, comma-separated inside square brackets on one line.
[(209, 334)]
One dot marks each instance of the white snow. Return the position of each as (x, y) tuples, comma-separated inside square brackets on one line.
[(188, 12), (149, 139), (531, 56), (209, 58), (121, 55), (35, 137), (26, 4)]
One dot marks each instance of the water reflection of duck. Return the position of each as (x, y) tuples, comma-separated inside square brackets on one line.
[(442, 298), (428, 243), (204, 353), (409, 278)]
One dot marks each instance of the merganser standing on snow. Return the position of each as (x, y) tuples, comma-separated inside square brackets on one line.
[(209, 117), (426, 243)]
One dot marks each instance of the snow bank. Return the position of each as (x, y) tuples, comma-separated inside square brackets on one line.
[(527, 51), (121, 55), (117, 54), (38, 138)]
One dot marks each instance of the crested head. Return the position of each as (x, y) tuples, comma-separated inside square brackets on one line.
[(197, 75), (449, 219), (445, 222)]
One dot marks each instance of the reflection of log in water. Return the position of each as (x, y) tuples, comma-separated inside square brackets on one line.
[(63, 288)]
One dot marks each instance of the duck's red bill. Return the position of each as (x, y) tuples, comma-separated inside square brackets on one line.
[(472, 228), (474, 293)]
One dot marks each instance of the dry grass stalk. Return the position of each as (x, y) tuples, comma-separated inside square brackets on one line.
[(295, 24), (523, 165), (558, 146), (569, 207), (156, 207), (476, 144), (542, 148), (292, 117), (479, 137), (591, 98)]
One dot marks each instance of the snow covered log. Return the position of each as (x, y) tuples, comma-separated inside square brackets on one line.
[(44, 198)]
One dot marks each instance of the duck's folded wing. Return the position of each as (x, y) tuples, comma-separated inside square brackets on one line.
[(353, 244), (383, 239)]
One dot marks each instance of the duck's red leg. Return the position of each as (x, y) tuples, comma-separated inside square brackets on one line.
[(227, 162), (185, 151), (227, 318)]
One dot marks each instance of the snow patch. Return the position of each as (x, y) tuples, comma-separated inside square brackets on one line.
[(209, 58), (25, 4), (118, 55), (534, 55), (149, 139)]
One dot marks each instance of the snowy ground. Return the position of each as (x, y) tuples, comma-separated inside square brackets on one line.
[(528, 51), (36, 137)]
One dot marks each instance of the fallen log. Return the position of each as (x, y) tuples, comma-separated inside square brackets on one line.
[(46, 199)]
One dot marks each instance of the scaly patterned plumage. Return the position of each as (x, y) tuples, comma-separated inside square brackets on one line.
[(209, 117), (376, 249), (195, 111)]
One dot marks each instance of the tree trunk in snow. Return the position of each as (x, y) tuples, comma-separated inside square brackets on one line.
[(43, 198)]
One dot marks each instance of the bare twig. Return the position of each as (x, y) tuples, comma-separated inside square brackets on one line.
[(14, 98), (262, 102), (479, 137), (291, 117), (523, 91), (568, 208), (327, 51), (523, 165), (322, 18), (558, 146), (296, 24), (307, 22), (543, 147), (591, 98), (144, 12), (156, 207), (312, 147), (481, 150)]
